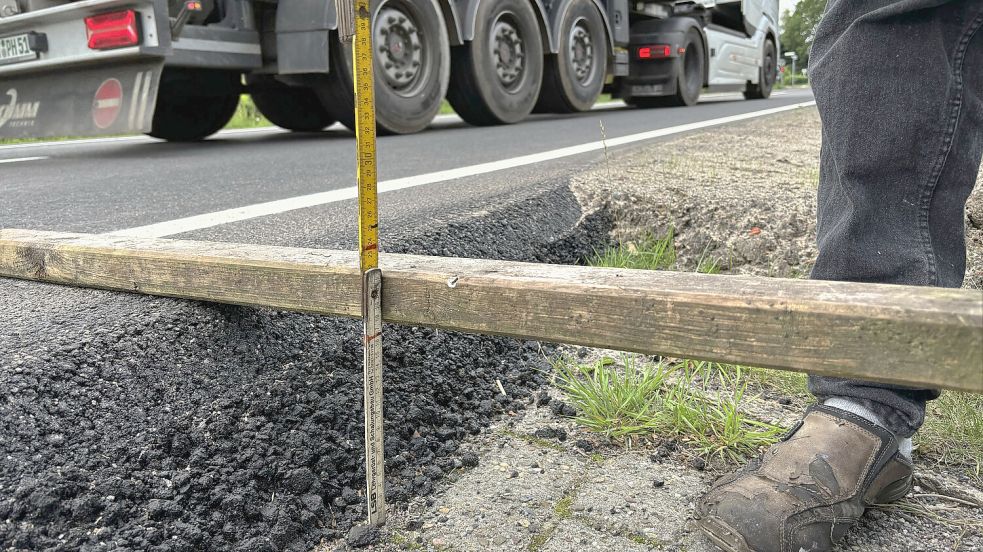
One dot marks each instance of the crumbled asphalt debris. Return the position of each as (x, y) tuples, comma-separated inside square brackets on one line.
[(361, 536), (557, 433), (697, 463), (469, 460), (584, 445), (138, 423), (561, 408)]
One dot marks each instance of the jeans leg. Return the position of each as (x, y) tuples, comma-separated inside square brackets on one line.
[(899, 87)]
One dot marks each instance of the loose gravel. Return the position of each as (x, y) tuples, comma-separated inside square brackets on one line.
[(140, 423)]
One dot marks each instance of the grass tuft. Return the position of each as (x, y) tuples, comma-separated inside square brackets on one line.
[(953, 431), (638, 400), (651, 253), (562, 508), (539, 540), (708, 264), (404, 542)]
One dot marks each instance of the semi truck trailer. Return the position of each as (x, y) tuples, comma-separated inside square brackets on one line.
[(175, 69)]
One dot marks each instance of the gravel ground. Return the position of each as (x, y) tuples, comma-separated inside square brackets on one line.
[(581, 493), (140, 423), (743, 194)]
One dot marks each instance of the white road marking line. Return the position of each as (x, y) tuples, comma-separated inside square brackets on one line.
[(217, 218), (19, 159)]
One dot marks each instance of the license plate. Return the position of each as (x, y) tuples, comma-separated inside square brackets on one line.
[(16, 48)]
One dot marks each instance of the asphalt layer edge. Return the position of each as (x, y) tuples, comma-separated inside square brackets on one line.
[(142, 423)]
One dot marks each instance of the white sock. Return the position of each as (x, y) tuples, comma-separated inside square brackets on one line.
[(904, 445)]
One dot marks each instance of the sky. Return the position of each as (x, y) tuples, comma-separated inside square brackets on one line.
[(786, 5)]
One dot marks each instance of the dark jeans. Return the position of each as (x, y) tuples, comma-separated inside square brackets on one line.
[(899, 87)]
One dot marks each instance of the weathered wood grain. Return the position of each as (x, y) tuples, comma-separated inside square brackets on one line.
[(898, 334)]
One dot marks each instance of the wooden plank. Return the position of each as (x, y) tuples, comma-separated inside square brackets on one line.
[(898, 334)]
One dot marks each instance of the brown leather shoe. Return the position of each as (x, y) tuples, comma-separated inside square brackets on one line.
[(809, 489)]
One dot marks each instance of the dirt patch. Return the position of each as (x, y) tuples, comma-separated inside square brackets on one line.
[(718, 191), (744, 195)]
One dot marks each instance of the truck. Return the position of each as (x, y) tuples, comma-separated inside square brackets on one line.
[(175, 69)]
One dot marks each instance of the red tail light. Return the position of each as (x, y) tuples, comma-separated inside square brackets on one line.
[(654, 51), (112, 30)]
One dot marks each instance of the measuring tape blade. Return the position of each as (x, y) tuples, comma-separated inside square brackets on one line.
[(372, 358), (368, 211), (368, 243)]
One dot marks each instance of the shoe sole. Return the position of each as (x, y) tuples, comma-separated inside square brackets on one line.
[(714, 529), (895, 491)]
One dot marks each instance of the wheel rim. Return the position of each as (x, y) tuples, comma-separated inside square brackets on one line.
[(770, 75), (509, 51), (401, 52), (692, 73), (581, 48)]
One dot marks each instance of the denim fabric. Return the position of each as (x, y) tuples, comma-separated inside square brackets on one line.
[(899, 87)]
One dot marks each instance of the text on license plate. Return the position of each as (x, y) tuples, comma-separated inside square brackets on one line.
[(16, 48)]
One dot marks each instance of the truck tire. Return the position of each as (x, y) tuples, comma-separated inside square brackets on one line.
[(573, 79), (411, 66), (689, 78), (498, 75), (294, 108), (193, 104), (766, 75)]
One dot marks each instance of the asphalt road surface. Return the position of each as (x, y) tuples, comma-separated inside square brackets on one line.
[(128, 183)]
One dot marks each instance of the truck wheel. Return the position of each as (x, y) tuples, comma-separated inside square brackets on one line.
[(193, 104), (411, 65), (498, 75), (766, 75), (294, 108), (573, 79), (689, 78)]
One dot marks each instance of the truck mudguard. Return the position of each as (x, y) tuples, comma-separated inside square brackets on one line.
[(556, 13), (302, 31), (468, 9), (452, 17), (303, 27)]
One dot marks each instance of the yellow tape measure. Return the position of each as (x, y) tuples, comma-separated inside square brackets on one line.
[(368, 245), (368, 201)]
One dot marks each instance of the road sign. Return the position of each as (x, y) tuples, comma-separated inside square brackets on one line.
[(107, 103)]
